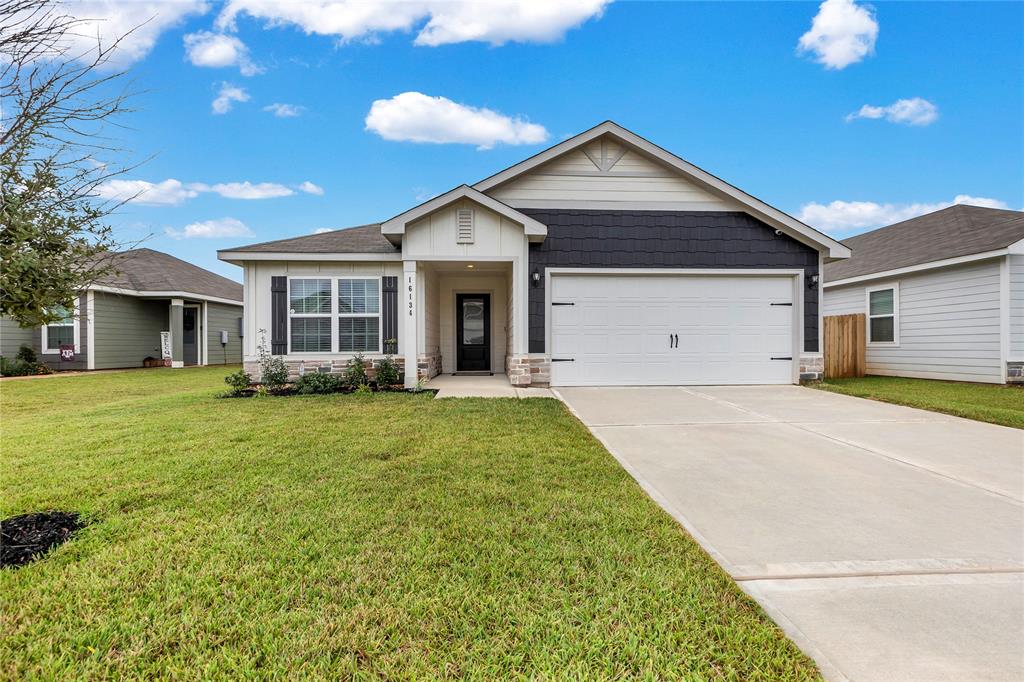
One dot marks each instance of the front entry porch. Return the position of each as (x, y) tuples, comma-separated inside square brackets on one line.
[(487, 386)]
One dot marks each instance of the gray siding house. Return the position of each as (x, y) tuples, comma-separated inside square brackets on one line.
[(603, 260), (117, 322), (943, 294)]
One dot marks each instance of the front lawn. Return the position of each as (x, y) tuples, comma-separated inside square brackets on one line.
[(985, 402), (385, 536)]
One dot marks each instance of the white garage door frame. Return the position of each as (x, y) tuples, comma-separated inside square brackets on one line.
[(796, 275)]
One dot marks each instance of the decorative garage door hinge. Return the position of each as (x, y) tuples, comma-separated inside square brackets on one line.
[(563, 359), (562, 303), (789, 304), (789, 358)]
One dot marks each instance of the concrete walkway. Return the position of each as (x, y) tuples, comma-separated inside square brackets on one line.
[(888, 542), (493, 386)]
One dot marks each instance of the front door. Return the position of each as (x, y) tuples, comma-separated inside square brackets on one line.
[(473, 333), (190, 335)]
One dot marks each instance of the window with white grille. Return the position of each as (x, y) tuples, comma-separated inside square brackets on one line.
[(464, 226)]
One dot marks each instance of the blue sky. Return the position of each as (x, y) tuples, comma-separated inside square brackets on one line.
[(723, 85)]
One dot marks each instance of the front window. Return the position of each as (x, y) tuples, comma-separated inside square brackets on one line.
[(358, 315), (882, 306), (60, 332), (340, 315)]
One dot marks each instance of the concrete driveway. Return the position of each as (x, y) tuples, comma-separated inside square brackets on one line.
[(888, 542)]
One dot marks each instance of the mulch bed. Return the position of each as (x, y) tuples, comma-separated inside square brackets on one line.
[(27, 537), (290, 389)]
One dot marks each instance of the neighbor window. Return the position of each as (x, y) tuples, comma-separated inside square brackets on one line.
[(882, 311), (59, 332), (310, 311), (358, 315)]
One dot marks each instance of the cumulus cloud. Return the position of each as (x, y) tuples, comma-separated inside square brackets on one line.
[(284, 110), (844, 218), (138, 25), (170, 192), (219, 50), (309, 188), (244, 190), (415, 117), (321, 230), (447, 21), (211, 229), (226, 98), (912, 112), (842, 33)]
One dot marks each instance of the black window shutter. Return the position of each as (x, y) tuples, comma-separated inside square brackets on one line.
[(278, 315), (389, 313)]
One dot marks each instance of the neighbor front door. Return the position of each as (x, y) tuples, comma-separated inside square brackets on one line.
[(473, 333), (190, 335)]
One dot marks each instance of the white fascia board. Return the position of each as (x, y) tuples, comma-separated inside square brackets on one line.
[(395, 227), (918, 268), (240, 257), (164, 294), (769, 214)]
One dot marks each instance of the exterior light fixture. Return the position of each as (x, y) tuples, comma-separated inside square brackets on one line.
[(535, 277), (812, 282), (470, 266)]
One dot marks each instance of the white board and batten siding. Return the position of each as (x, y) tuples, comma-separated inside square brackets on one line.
[(949, 323), (1016, 271), (605, 175)]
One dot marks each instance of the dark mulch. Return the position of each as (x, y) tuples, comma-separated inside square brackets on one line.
[(27, 537)]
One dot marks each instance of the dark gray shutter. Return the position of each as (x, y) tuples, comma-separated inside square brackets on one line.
[(278, 315), (389, 313)]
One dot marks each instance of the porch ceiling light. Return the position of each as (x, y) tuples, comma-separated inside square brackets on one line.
[(470, 266)]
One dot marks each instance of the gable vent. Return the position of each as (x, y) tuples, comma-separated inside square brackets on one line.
[(464, 226)]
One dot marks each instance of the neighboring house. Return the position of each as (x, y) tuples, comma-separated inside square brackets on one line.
[(117, 321), (602, 260), (944, 295)]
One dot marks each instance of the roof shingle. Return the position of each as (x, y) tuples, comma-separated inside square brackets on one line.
[(959, 230), (149, 270), (361, 239)]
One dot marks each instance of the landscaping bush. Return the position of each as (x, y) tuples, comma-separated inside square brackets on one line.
[(355, 372), (238, 381), (27, 355), (25, 363), (387, 372), (273, 371), (318, 383)]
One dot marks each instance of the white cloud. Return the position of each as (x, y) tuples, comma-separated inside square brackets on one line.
[(912, 112), (211, 229), (245, 190), (447, 21), (309, 188), (843, 218), (167, 193), (139, 24), (842, 33), (284, 110), (321, 230), (218, 50), (226, 98), (415, 117)]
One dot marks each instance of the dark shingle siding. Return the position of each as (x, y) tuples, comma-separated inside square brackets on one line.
[(664, 239)]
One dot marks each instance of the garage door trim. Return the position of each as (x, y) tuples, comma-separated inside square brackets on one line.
[(795, 274)]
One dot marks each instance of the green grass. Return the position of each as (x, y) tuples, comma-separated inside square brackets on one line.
[(984, 402), (385, 536)]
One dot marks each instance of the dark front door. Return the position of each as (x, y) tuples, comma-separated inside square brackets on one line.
[(473, 337), (190, 336)]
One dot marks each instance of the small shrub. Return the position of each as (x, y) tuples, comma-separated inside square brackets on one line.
[(24, 364), (238, 381), (387, 372), (318, 383), (419, 387), (273, 371), (363, 389), (27, 355), (355, 372)]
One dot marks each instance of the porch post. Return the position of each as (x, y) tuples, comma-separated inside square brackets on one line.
[(409, 315), (177, 332)]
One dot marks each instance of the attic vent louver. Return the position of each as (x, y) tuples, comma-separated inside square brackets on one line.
[(464, 226)]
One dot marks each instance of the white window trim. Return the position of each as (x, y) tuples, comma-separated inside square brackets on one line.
[(75, 319), (895, 286), (336, 315)]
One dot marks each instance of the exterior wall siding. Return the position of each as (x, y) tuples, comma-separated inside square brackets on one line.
[(13, 337), (1016, 307), (221, 316), (949, 324), (127, 329), (663, 239)]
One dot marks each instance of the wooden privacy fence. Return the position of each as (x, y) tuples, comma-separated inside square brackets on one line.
[(845, 339)]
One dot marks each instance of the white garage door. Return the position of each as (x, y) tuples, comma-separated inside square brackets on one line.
[(631, 330)]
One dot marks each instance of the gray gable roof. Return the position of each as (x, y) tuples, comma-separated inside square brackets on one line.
[(361, 239), (959, 230), (149, 270)]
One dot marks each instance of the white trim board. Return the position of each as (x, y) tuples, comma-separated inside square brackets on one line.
[(769, 214), (238, 257), (164, 294), (931, 265)]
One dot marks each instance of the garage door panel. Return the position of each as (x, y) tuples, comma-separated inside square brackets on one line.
[(617, 330)]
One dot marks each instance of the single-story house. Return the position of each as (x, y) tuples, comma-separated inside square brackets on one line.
[(943, 294), (117, 322), (602, 260)]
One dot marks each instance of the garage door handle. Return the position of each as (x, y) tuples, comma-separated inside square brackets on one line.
[(789, 358), (563, 359), (562, 303), (677, 340)]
